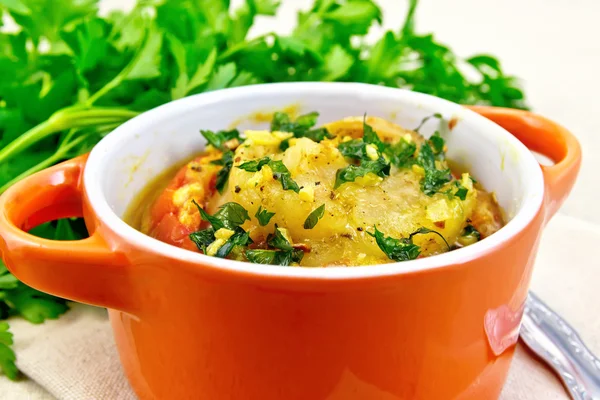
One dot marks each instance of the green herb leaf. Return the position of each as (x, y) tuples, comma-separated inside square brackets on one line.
[(437, 144), (282, 174), (203, 238), (263, 216), (396, 249), (239, 238), (424, 120), (254, 165), (434, 179), (274, 257), (300, 127), (401, 154), (337, 63), (33, 305), (470, 230), (230, 215), (424, 231), (355, 149), (349, 174), (7, 355), (280, 171), (370, 136), (314, 217), (223, 175), (219, 138), (279, 241)]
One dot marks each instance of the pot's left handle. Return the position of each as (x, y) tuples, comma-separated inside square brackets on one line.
[(86, 270)]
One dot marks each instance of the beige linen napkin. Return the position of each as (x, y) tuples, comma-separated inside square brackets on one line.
[(74, 358)]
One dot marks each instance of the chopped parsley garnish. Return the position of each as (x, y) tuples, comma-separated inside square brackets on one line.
[(434, 178), (279, 241), (437, 145), (396, 249), (223, 175), (280, 172), (357, 150), (424, 120), (203, 238), (229, 216), (402, 154), (461, 191), (239, 238), (263, 216), (402, 249), (301, 127), (379, 167), (471, 231), (218, 139), (284, 255), (314, 217), (274, 257), (254, 165)]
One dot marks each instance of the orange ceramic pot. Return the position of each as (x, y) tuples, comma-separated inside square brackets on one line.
[(189, 326)]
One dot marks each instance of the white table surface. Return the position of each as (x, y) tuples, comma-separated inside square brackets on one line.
[(554, 46)]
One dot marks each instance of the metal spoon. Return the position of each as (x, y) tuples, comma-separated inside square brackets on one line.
[(557, 343)]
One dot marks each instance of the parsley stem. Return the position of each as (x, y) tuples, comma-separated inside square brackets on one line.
[(70, 117)]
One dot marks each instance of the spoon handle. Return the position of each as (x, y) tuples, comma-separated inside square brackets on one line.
[(557, 343)]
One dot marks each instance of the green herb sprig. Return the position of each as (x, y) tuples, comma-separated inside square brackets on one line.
[(402, 249)]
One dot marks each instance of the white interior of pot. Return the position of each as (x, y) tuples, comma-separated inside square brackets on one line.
[(131, 156)]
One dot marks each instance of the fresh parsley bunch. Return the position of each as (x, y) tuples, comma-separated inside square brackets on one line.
[(68, 76)]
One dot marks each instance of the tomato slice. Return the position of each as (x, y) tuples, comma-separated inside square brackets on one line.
[(173, 216)]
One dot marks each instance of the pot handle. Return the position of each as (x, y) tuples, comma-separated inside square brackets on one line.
[(86, 270), (545, 137)]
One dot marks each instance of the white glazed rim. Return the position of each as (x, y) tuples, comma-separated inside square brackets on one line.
[(98, 202)]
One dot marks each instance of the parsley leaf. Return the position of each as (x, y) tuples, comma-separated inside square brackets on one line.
[(280, 171), (401, 154), (218, 139), (470, 230), (285, 255), (371, 137), (203, 238), (282, 174), (437, 145), (33, 305), (274, 257), (434, 179), (300, 127), (424, 120), (263, 216), (357, 149), (379, 167), (7, 355), (230, 215), (279, 241), (314, 217), (354, 149), (223, 175), (402, 249), (254, 165), (239, 238), (423, 231), (396, 249)]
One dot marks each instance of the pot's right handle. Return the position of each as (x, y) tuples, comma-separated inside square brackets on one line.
[(545, 137)]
